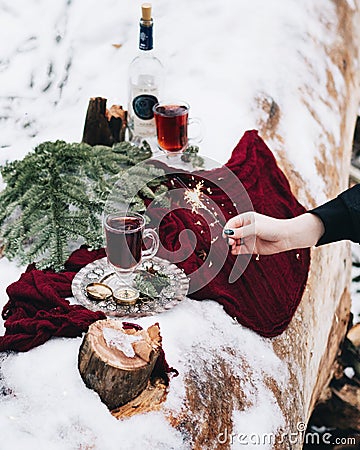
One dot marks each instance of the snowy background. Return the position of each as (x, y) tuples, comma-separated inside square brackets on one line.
[(54, 56)]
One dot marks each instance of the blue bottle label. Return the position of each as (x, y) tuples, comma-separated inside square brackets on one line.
[(146, 37), (143, 106)]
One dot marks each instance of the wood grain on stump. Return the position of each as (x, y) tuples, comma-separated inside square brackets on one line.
[(117, 362)]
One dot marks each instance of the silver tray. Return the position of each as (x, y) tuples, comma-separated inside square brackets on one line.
[(99, 270)]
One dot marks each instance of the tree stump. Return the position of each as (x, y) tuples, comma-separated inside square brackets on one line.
[(117, 362)]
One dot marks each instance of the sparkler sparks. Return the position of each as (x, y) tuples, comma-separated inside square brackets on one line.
[(195, 198)]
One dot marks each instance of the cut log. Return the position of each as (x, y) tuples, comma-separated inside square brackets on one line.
[(150, 399), (236, 387), (96, 128), (117, 362), (102, 126), (339, 403), (308, 348), (234, 383)]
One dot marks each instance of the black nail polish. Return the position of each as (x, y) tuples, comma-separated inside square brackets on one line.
[(229, 232)]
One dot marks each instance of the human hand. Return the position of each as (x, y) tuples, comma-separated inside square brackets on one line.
[(252, 232)]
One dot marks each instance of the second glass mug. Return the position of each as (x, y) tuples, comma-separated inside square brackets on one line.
[(125, 232), (172, 121)]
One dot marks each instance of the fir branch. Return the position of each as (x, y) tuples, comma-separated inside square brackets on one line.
[(55, 195), (150, 284), (191, 155)]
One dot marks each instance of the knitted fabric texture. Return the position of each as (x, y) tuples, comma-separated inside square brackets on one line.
[(264, 298)]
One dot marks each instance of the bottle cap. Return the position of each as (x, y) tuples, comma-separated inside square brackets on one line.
[(146, 11)]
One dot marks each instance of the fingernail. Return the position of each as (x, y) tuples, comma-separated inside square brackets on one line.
[(229, 232)]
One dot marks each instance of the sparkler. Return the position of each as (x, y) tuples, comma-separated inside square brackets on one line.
[(194, 198)]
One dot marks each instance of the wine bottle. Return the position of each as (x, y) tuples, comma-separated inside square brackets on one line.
[(146, 75)]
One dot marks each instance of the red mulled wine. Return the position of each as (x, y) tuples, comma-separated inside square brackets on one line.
[(171, 127), (123, 241)]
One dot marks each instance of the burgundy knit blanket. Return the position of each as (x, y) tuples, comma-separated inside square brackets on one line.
[(268, 292), (264, 298), (37, 309)]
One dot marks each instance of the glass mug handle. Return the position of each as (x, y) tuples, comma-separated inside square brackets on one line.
[(199, 136), (150, 252)]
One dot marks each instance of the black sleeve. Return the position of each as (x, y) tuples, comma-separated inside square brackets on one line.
[(341, 217)]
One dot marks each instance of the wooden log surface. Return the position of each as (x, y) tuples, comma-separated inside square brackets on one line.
[(307, 349), (231, 383)]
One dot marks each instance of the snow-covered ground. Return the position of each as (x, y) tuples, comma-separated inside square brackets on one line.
[(218, 57), (47, 406), (54, 56)]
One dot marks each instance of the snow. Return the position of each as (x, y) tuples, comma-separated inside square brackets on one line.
[(50, 71), (253, 425), (349, 372), (55, 55), (48, 406), (120, 340)]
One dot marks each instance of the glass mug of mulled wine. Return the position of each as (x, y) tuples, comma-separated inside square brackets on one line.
[(172, 122), (125, 233)]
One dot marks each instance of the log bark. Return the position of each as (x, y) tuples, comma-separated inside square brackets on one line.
[(341, 409), (117, 362), (339, 403)]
